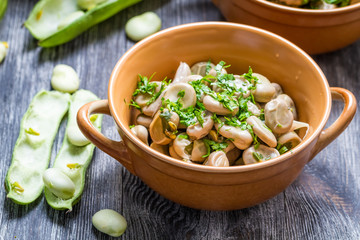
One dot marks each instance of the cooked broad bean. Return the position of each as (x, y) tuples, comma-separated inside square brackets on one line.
[(65, 79), (164, 149), (278, 116), (217, 159), (141, 26), (260, 153), (144, 120), (141, 132), (162, 130), (182, 72), (314, 4), (202, 68), (199, 151), (221, 119), (183, 146), (109, 222)]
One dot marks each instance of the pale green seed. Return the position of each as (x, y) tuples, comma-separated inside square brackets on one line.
[(142, 26), (65, 79), (110, 222), (59, 183), (3, 50), (76, 137), (70, 18)]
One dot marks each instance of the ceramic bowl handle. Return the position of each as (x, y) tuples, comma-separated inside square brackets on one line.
[(115, 149), (328, 135)]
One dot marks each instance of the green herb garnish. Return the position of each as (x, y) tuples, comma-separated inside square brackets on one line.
[(258, 156), (134, 104), (181, 94), (213, 146), (208, 67), (284, 148), (183, 136)]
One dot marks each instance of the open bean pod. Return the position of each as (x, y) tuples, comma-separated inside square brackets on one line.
[(3, 5), (57, 22)]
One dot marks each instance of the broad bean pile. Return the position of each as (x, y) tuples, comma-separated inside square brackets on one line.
[(208, 116)]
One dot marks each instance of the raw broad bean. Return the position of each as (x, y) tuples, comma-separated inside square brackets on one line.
[(74, 160), (109, 222), (65, 79), (73, 133), (58, 183), (142, 26), (32, 150), (47, 15), (3, 50)]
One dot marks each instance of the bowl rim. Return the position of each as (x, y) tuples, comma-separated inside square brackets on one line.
[(295, 10), (125, 130)]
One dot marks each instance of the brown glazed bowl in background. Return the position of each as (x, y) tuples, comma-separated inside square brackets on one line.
[(314, 30), (218, 188)]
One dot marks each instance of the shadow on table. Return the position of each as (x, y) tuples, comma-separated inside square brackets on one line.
[(18, 211)]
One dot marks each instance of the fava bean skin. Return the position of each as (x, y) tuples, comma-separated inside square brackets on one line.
[(45, 17), (65, 79), (142, 26), (3, 5), (109, 222)]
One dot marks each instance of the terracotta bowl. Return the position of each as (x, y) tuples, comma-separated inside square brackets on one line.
[(315, 31), (218, 188)]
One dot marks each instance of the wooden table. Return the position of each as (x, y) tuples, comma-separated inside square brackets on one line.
[(323, 203)]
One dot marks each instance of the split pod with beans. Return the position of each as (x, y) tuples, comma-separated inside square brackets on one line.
[(57, 22)]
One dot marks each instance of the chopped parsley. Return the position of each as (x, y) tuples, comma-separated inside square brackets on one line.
[(251, 79), (284, 148), (183, 136), (258, 156), (213, 146), (134, 104), (208, 67), (146, 87), (188, 116)]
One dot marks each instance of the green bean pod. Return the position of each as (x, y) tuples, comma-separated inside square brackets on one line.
[(3, 5), (74, 160), (47, 15), (32, 151)]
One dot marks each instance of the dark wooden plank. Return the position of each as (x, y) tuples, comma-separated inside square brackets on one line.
[(321, 204)]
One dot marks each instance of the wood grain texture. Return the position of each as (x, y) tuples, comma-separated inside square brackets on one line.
[(323, 203)]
